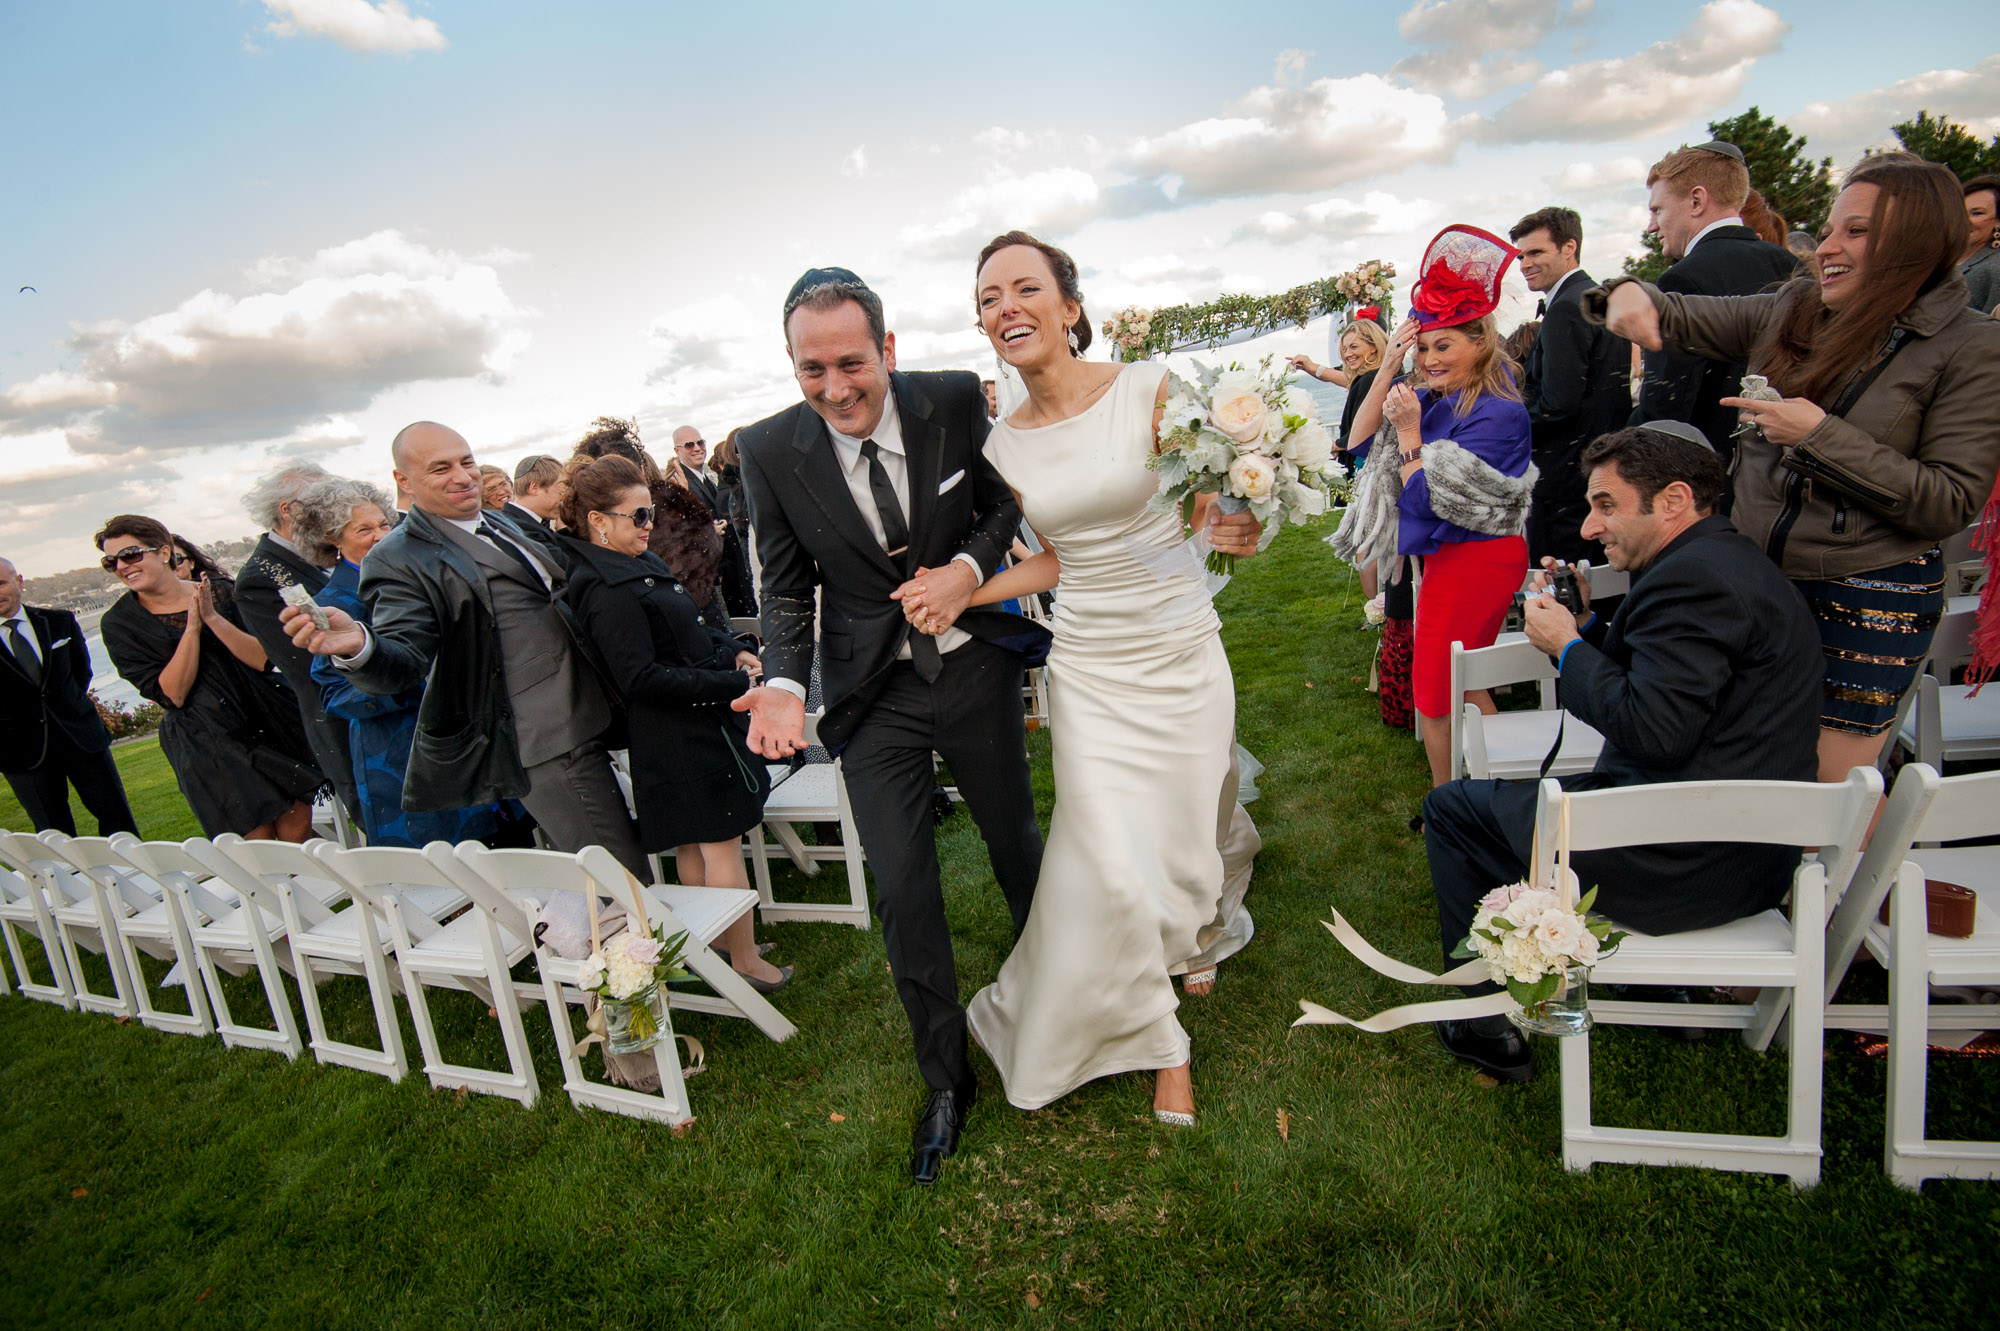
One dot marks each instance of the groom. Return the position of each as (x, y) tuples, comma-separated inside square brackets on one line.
[(875, 479)]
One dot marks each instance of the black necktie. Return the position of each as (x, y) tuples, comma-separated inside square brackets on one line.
[(896, 537), (24, 652), (487, 530), (1541, 308)]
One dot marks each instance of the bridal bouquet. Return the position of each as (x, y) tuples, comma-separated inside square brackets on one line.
[(1249, 437), (626, 973), (1542, 951)]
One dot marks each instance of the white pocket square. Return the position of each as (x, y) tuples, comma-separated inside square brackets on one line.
[(60, 642), (952, 480)]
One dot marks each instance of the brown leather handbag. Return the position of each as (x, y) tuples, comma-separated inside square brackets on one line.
[(1949, 909)]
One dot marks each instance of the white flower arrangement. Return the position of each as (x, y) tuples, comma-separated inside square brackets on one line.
[(1375, 611), (1249, 437), (1372, 281), (1529, 939), (630, 962)]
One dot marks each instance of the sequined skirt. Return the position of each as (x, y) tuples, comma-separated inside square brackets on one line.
[(1875, 629)]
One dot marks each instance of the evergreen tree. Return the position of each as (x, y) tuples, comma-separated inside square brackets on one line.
[(1793, 185), (1647, 267), (1947, 143)]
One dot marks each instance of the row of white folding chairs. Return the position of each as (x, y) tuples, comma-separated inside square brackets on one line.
[(454, 918), (1796, 960), (1945, 722)]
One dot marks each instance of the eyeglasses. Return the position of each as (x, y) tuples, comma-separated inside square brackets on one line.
[(131, 554), (641, 516)]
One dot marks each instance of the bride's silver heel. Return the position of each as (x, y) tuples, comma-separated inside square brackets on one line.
[(1174, 1118), (1206, 977)]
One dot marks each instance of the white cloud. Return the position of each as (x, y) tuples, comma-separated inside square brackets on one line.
[(1475, 42), (1290, 66), (855, 165), (1844, 128), (1620, 173), (1050, 203), (1376, 214), (328, 333), (386, 25), (1652, 91), (1289, 140)]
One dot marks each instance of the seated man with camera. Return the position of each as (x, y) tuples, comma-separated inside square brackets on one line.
[(1710, 670)]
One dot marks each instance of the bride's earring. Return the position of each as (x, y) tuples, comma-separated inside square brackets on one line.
[(1074, 348)]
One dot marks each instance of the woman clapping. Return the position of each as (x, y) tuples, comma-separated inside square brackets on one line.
[(695, 783)]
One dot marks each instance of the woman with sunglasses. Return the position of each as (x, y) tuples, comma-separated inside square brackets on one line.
[(231, 731), (695, 784)]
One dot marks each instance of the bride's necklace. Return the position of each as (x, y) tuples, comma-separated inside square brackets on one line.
[(1082, 404)]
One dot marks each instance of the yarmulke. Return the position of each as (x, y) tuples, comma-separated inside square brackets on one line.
[(814, 278)]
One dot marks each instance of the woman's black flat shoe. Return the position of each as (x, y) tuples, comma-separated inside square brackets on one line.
[(767, 987)]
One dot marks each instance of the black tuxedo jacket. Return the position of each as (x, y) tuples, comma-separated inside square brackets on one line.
[(1729, 262), (1578, 378), (701, 487), (1711, 670), (810, 535), (269, 567), (523, 517), (29, 715)]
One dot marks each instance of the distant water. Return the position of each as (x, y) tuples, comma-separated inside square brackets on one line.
[(105, 681)]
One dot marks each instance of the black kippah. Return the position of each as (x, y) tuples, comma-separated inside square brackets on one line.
[(1725, 149), (815, 278), (1680, 430)]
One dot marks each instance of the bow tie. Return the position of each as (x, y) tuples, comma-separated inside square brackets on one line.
[(1541, 308)]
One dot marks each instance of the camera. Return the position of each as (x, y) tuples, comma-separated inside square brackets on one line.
[(1562, 586)]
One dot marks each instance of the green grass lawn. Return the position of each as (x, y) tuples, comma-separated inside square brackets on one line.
[(154, 1179)]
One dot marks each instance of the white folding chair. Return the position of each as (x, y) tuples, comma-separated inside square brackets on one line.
[(1923, 808), (1035, 681), (815, 793), (1946, 724), (1779, 954), (1963, 565), (512, 886), (111, 904), (322, 941), (25, 905), (227, 927), (1512, 745), (471, 952)]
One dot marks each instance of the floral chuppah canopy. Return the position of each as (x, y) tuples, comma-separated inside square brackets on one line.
[(1137, 334)]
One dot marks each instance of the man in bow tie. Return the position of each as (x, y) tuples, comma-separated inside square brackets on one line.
[(876, 479), (470, 602), (50, 734), (1576, 383)]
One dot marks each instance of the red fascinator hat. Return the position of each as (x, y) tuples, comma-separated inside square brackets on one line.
[(1460, 277)]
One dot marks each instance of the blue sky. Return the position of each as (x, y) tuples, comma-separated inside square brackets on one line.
[(264, 228)]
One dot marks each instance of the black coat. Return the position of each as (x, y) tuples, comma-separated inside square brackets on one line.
[(28, 714), (259, 602), (434, 625), (1577, 378), (1729, 262), (812, 538), (1710, 671), (693, 776)]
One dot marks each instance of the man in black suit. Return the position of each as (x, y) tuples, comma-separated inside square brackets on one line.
[(1709, 671), (690, 455), (275, 563), (738, 588), (877, 478), (1695, 196), (1577, 383), (536, 492), (50, 734)]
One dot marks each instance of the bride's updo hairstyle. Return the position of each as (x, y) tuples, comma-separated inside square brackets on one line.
[(1061, 266)]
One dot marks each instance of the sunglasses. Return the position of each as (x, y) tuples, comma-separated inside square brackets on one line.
[(641, 516), (693, 443), (129, 555)]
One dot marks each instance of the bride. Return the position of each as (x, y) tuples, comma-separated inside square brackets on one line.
[(1142, 707)]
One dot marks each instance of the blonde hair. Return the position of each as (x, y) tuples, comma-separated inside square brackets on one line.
[(1726, 179), (1493, 372), (1377, 340)]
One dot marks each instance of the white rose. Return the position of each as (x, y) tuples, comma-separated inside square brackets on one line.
[(1310, 447), (1238, 413), (590, 973), (1525, 911), (1253, 474), (1587, 948), (1558, 933)]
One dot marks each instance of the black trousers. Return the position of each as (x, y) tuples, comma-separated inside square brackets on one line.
[(1479, 835), (44, 792), (971, 715)]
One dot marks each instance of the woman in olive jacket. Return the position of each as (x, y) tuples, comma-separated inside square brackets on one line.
[(1883, 443), (695, 784)]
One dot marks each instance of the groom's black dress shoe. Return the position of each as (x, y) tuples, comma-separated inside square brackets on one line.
[(1491, 1044), (937, 1131)]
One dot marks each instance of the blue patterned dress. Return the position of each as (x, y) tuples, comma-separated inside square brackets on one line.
[(380, 729)]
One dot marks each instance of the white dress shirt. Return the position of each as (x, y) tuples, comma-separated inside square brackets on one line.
[(1549, 296), (1702, 234), (888, 437)]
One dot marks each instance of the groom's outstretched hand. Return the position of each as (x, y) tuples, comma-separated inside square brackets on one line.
[(777, 721), (934, 598)]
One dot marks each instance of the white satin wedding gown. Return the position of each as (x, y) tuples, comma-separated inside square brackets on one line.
[(1142, 719)]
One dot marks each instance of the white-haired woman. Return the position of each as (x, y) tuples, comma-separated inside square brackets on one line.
[(338, 522)]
